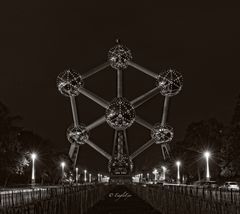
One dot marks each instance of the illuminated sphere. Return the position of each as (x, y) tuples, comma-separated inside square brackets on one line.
[(119, 56), (77, 134), (170, 82), (162, 133), (120, 114), (69, 82)]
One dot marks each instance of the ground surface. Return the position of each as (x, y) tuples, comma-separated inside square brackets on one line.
[(121, 200)]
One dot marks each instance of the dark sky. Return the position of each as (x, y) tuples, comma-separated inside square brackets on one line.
[(39, 40)]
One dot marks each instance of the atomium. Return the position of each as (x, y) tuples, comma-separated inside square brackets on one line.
[(162, 133), (170, 82), (120, 114), (69, 82), (77, 134), (119, 56)]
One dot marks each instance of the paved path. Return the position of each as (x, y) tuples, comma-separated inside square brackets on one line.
[(120, 200)]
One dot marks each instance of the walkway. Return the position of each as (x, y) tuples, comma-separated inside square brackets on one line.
[(121, 200)]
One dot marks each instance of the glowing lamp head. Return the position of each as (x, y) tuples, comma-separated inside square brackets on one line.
[(164, 168), (33, 156), (155, 171), (178, 163), (207, 154), (63, 164), (85, 171)]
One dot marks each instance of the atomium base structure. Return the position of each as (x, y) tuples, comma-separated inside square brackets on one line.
[(120, 113)]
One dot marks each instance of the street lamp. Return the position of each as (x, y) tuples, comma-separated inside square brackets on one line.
[(85, 175), (207, 154), (33, 156), (147, 176), (155, 172), (90, 177), (76, 175), (178, 163), (164, 172), (63, 166)]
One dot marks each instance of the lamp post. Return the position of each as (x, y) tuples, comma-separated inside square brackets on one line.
[(63, 166), (178, 163), (33, 156), (164, 172), (207, 154), (147, 176), (76, 175), (85, 175), (155, 172), (90, 178)]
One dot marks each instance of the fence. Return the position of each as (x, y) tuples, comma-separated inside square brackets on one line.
[(189, 200), (54, 200)]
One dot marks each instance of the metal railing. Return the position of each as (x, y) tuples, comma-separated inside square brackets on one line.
[(54, 200), (169, 199)]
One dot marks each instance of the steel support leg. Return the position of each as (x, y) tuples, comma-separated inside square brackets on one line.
[(96, 123), (74, 111), (145, 97), (98, 149), (95, 70), (165, 110), (143, 123), (94, 97), (142, 148), (144, 70), (119, 83)]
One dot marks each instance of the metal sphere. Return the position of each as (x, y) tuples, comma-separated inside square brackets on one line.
[(69, 82), (77, 134), (120, 165), (119, 56), (120, 114), (170, 82), (162, 133)]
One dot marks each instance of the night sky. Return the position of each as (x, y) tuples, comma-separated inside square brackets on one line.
[(40, 40)]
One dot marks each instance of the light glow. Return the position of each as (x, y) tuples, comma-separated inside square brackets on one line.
[(164, 172), (178, 163), (207, 154), (85, 175), (33, 156), (63, 164)]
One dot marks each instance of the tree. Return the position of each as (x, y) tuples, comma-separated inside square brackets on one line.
[(12, 160), (49, 158), (236, 115), (230, 152), (200, 136)]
